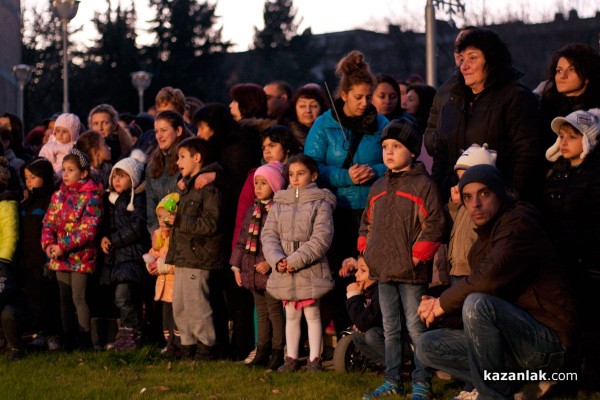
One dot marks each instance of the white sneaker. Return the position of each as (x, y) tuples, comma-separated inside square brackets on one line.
[(250, 357)]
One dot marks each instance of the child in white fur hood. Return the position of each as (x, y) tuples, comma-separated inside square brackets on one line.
[(65, 134)]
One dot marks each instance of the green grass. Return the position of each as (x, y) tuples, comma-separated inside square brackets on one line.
[(143, 375)]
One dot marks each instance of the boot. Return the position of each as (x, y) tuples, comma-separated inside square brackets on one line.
[(276, 360), (188, 352), (204, 352), (98, 331), (261, 359), (127, 339)]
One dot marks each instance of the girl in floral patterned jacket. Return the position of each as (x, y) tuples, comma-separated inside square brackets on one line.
[(68, 238)]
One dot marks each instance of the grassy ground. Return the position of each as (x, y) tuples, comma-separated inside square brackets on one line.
[(143, 375)]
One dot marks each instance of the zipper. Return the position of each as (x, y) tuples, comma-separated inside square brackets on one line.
[(295, 243)]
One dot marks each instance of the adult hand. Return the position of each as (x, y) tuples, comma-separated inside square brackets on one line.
[(262, 267), (348, 265), (360, 173), (429, 309), (105, 245), (204, 179)]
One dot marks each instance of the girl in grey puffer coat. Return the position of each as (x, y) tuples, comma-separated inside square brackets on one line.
[(295, 239)]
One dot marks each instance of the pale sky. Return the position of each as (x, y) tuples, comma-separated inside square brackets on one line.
[(239, 17)]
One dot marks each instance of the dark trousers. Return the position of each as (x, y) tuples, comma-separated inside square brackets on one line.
[(128, 299), (271, 325)]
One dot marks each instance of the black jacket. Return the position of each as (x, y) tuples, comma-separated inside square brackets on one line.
[(32, 213), (364, 309)]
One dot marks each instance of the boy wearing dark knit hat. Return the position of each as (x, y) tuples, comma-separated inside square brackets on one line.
[(401, 229)]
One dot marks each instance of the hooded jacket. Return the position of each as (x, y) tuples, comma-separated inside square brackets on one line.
[(299, 228)]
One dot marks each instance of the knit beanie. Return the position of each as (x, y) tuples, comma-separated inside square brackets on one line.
[(42, 168), (70, 122), (273, 173), (134, 167), (406, 132), (4, 173), (486, 174), (587, 123), (476, 155)]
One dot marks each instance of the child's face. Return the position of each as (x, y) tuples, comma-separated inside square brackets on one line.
[(300, 175), (166, 135), (32, 181), (571, 144), (188, 165), (71, 173), (103, 152), (362, 272), (121, 181), (273, 151), (62, 135), (262, 189), (102, 123), (395, 156)]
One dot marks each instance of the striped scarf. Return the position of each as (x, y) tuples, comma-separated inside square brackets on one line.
[(260, 211)]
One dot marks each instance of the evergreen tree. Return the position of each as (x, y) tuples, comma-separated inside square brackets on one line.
[(279, 27)]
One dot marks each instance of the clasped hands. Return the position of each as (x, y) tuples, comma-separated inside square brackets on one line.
[(429, 309)]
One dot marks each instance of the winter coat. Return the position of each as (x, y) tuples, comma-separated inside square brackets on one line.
[(328, 144), (163, 290), (197, 235), (72, 222), (9, 227), (54, 152), (404, 218), (128, 236), (244, 260), (462, 238), (299, 228), (244, 202), (33, 210), (156, 189), (514, 259), (507, 118), (364, 309)]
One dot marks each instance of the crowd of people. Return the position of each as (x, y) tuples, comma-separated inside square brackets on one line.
[(468, 215)]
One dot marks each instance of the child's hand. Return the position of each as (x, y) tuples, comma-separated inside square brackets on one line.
[(54, 251), (354, 287), (169, 218), (152, 268), (204, 179), (455, 195), (282, 265), (105, 245), (349, 264), (238, 278), (262, 267)]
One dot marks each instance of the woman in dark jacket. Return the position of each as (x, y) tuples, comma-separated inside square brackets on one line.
[(487, 105)]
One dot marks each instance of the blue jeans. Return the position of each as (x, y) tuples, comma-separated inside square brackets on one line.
[(497, 337), (371, 344), (399, 303)]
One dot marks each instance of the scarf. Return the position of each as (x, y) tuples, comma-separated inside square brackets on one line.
[(260, 211)]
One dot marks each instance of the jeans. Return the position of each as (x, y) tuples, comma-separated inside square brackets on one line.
[(497, 337), (399, 303), (371, 344)]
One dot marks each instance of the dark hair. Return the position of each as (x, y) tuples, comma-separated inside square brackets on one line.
[(76, 159), (385, 78), (158, 158), (301, 158), (282, 135), (312, 93), (217, 117), (16, 133), (41, 168), (251, 99), (88, 141), (352, 70), (426, 94), (586, 61), (192, 104), (498, 61), (282, 86), (195, 145)]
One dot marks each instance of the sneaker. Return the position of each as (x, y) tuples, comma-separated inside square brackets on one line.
[(386, 389), (250, 357), (313, 365), (39, 341), (127, 339), (54, 343), (421, 391), (464, 395), (289, 365)]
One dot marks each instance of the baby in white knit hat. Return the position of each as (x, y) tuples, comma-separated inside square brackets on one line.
[(65, 134)]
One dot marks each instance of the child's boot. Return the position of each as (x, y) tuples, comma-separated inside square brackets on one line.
[(188, 352), (204, 352), (261, 359), (276, 360)]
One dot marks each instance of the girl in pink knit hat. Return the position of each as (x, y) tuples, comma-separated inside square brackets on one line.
[(64, 136)]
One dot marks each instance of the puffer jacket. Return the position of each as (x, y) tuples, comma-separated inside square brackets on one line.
[(197, 235), (404, 218), (299, 228), (72, 222), (9, 227), (329, 145), (129, 238)]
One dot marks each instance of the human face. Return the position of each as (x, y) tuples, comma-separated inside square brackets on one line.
[(71, 173), (412, 102), (204, 131), (62, 135), (5, 123), (234, 109), (403, 88), (362, 272), (273, 151), (188, 164), (357, 99), (102, 123), (473, 68), (121, 181), (300, 175), (307, 111), (262, 189), (568, 81), (396, 156), (166, 135), (481, 203), (32, 181), (275, 99), (571, 144), (385, 98)]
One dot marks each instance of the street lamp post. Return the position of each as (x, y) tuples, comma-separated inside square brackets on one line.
[(65, 10), (141, 80), (22, 74)]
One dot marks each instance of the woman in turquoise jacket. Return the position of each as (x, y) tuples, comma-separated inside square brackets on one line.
[(345, 142)]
